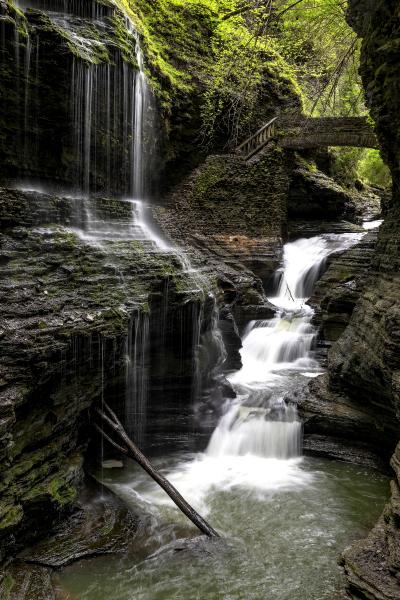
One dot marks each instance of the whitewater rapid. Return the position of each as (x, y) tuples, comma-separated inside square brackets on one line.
[(257, 444)]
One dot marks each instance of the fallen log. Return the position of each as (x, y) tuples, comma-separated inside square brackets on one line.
[(126, 446)]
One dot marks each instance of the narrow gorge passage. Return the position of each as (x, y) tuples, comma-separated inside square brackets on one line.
[(235, 303), (284, 517)]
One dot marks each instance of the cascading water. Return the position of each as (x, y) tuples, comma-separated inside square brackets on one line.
[(111, 107), (274, 353), (108, 146), (137, 352), (284, 518), (258, 441), (112, 110)]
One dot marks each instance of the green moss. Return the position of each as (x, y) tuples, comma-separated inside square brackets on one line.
[(62, 492), (7, 584), (19, 18), (189, 46), (211, 175), (10, 516), (124, 39)]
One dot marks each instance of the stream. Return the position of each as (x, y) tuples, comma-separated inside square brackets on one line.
[(284, 518)]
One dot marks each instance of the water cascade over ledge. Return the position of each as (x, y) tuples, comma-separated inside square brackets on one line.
[(108, 143), (275, 354), (257, 443)]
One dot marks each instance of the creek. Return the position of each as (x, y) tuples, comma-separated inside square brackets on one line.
[(285, 518)]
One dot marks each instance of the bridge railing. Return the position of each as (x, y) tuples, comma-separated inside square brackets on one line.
[(258, 140)]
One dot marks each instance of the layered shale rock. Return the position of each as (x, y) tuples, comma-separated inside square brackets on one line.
[(364, 364), (314, 195), (372, 565), (233, 210), (339, 289), (64, 340)]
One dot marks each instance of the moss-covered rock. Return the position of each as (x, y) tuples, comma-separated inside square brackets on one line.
[(28, 582), (233, 209), (64, 338)]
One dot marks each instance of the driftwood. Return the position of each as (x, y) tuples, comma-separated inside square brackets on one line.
[(127, 447)]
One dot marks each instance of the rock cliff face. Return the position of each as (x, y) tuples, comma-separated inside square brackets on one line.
[(85, 319), (60, 67), (364, 364), (339, 289), (64, 342), (234, 210), (91, 308)]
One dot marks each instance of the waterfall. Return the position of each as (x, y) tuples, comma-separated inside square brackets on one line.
[(111, 105), (139, 137), (275, 352), (136, 390), (81, 8), (303, 263), (111, 115), (107, 146), (27, 68), (243, 431)]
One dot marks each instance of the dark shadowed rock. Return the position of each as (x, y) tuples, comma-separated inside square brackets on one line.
[(102, 525), (339, 289)]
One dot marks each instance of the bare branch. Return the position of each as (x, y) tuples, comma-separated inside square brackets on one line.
[(133, 451)]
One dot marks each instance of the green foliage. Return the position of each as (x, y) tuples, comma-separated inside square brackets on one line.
[(373, 170), (248, 82), (227, 63), (345, 164), (324, 51), (175, 36), (365, 164)]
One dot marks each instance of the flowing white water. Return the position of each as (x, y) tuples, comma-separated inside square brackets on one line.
[(257, 443), (372, 224), (273, 352), (136, 389)]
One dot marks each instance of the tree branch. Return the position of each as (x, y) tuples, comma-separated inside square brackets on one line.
[(133, 451)]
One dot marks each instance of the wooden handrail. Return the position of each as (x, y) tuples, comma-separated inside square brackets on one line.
[(311, 132), (255, 135)]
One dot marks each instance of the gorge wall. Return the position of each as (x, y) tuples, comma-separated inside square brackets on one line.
[(359, 399), (84, 317), (96, 306)]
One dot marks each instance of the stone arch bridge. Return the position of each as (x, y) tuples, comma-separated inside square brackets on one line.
[(298, 133)]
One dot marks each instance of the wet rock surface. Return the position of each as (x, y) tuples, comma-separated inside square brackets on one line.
[(372, 565), (102, 524), (64, 339), (313, 195), (340, 287), (62, 336), (333, 414), (232, 210), (343, 449), (364, 363), (307, 229)]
